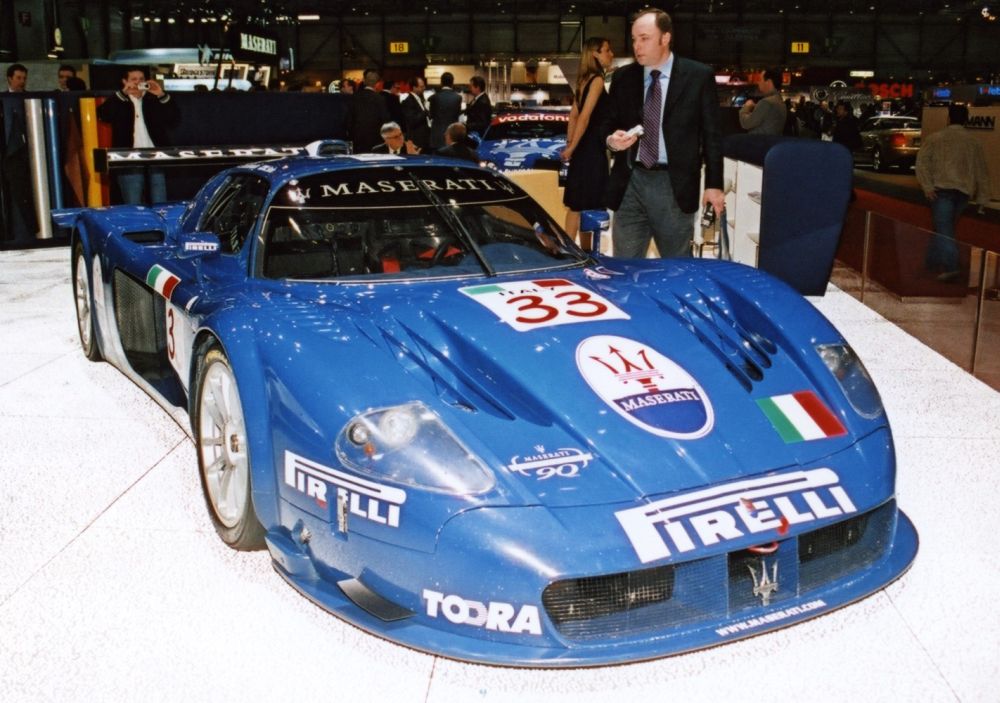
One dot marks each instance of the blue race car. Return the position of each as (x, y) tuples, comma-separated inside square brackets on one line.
[(454, 429), (528, 139)]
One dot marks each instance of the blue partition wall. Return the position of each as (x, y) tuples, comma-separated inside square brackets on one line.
[(804, 198)]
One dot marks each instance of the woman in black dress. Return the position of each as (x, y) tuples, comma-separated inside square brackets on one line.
[(585, 149)]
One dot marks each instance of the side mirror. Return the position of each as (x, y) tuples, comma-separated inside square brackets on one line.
[(198, 244)]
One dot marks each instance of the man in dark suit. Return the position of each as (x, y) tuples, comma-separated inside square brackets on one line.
[(446, 105), (366, 116), (457, 144), (394, 143), (655, 179), (15, 168), (390, 93), (479, 111), (416, 120)]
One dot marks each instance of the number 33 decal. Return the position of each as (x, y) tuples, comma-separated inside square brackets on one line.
[(579, 303), (527, 305)]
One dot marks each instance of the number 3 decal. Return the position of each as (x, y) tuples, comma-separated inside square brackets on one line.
[(583, 298), (171, 344), (534, 303)]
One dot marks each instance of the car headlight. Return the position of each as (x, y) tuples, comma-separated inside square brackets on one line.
[(853, 378), (409, 444)]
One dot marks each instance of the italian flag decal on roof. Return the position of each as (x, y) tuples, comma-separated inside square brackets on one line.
[(801, 416), (162, 281)]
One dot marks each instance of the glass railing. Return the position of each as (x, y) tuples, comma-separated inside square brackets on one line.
[(943, 292)]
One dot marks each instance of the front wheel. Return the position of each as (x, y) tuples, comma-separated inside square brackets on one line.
[(223, 453), (84, 311)]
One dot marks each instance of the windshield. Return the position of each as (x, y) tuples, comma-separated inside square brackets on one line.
[(380, 224), (533, 126)]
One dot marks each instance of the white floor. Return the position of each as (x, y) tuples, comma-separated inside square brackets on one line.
[(114, 587)]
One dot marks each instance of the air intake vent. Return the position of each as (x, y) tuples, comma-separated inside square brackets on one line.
[(745, 354)]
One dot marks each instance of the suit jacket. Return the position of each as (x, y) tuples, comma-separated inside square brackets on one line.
[(691, 129), (417, 121), (159, 114), (365, 118), (459, 151), (446, 105), (393, 106), (478, 114), (383, 148)]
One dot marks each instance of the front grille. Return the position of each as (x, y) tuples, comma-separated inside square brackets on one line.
[(588, 606), (714, 588), (832, 552)]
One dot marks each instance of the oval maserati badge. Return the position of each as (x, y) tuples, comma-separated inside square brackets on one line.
[(645, 387)]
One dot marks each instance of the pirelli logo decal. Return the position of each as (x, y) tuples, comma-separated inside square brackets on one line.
[(704, 518), (365, 499)]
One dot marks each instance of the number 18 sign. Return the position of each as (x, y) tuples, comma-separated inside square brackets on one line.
[(526, 305)]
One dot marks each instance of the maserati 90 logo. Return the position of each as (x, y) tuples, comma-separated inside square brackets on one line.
[(764, 586)]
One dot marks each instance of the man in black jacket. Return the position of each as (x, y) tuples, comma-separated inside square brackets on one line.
[(140, 114), (655, 180), (367, 114), (457, 144), (479, 111), (417, 122), (446, 105)]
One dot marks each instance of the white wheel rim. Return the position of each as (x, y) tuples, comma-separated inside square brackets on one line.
[(222, 442), (82, 294)]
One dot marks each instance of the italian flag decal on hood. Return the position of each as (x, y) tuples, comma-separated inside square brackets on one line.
[(162, 281), (801, 416)]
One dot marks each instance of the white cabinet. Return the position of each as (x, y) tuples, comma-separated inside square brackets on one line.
[(744, 183)]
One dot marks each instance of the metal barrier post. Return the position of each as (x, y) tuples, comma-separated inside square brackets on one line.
[(39, 167), (864, 253), (980, 298), (54, 153)]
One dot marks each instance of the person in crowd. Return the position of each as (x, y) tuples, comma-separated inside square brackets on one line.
[(64, 74), (846, 130), (366, 115), (140, 115), (823, 119), (393, 141), (479, 111), (457, 144), (587, 176), (347, 86), (655, 180), (446, 105), (791, 128), (15, 167), (416, 120), (951, 170), (390, 93), (766, 115)]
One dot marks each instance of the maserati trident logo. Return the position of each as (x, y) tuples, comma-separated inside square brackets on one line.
[(765, 585), (645, 387)]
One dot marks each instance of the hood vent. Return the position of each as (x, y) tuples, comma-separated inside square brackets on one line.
[(745, 354)]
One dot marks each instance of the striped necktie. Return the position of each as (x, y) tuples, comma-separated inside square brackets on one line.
[(649, 143)]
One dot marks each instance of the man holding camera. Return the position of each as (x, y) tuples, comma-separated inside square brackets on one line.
[(140, 115)]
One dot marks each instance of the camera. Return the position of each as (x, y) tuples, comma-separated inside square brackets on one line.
[(708, 216), (144, 85)]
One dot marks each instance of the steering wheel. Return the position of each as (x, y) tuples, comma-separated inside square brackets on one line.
[(444, 250)]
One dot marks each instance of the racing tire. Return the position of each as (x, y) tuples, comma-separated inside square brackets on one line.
[(877, 162), (84, 305), (220, 438)]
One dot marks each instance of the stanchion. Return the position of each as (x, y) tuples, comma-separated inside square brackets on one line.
[(39, 167)]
